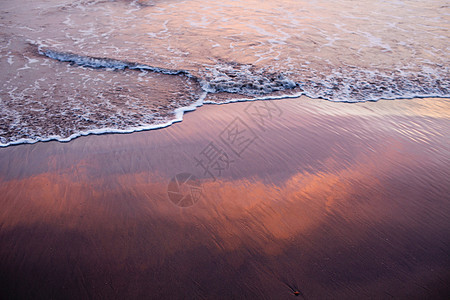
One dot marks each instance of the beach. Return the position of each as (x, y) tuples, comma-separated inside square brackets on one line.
[(338, 200), (198, 149)]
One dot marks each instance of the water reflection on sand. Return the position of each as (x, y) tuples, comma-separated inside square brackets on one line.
[(340, 200)]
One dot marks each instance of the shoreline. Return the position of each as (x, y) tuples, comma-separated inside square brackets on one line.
[(179, 113)]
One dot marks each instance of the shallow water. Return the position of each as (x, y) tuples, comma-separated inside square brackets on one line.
[(343, 201), (343, 51)]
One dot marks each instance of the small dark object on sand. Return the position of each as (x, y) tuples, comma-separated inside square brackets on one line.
[(294, 289)]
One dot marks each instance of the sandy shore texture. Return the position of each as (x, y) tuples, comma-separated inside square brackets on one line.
[(342, 201)]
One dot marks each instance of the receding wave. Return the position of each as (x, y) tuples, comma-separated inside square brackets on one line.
[(134, 100), (120, 66)]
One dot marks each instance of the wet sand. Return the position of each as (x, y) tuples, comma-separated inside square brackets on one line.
[(344, 201)]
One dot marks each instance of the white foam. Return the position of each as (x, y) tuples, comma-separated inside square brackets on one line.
[(243, 79), (178, 113), (343, 85)]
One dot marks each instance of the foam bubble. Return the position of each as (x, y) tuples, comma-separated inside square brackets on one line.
[(243, 79)]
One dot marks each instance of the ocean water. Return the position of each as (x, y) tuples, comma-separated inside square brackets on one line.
[(70, 68)]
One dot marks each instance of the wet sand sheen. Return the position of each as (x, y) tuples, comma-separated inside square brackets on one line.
[(342, 200)]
